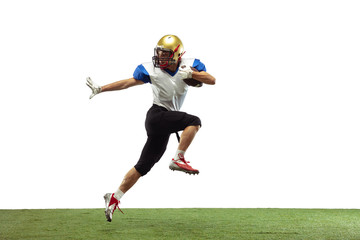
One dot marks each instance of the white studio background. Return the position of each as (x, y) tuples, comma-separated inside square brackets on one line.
[(280, 127)]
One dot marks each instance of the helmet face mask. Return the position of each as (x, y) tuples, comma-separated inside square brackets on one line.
[(168, 51), (163, 57)]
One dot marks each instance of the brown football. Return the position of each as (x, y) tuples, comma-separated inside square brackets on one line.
[(192, 82)]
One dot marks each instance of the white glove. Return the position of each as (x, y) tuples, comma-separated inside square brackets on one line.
[(96, 89), (185, 71)]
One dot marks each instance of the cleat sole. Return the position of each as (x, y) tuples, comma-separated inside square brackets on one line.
[(183, 170)]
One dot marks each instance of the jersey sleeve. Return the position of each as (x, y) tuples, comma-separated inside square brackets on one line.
[(141, 74), (199, 65)]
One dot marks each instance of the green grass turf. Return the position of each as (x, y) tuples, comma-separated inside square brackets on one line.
[(188, 223)]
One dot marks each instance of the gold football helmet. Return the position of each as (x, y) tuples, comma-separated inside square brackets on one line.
[(168, 50)]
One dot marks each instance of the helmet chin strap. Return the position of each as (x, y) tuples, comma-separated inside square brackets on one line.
[(165, 65)]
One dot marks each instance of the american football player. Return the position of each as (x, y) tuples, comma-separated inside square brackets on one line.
[(165, 74)]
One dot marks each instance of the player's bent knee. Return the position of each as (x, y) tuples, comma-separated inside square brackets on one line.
[(195, 121)]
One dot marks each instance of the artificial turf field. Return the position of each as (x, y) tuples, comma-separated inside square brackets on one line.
[(187, 223)]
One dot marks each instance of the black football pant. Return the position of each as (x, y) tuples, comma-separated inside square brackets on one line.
[(159, 124)]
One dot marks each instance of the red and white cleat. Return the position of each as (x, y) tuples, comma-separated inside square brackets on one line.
[(183, 166), (111, 203)]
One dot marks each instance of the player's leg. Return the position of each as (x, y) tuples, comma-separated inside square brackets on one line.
[(190, 125), (153, 150), (129, 180), (187, 137)]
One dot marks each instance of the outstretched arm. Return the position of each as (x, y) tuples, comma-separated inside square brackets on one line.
[(119, 85)]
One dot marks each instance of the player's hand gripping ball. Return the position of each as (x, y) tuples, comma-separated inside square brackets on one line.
[(187, 72)]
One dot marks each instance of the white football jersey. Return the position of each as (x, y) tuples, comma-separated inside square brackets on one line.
[(169, 90)]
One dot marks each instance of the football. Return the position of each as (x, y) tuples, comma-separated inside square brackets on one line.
[(192, 82)]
